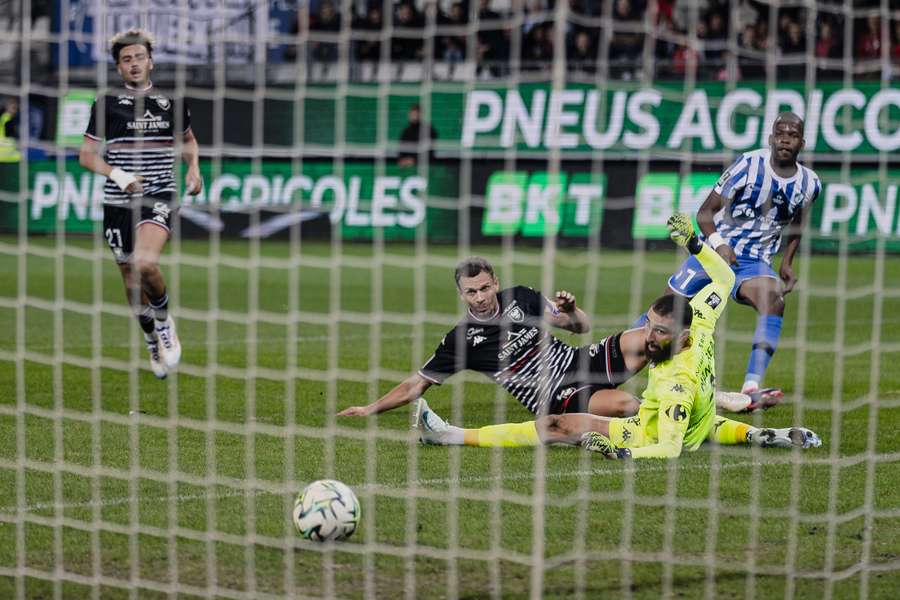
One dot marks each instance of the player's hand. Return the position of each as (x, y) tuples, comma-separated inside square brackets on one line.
[(681, 230), (788, 279), (136, 186), (564, 301), (727, 254), (355, 411), (193, 182)]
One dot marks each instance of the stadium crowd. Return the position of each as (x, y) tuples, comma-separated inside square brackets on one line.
[(733, 39)]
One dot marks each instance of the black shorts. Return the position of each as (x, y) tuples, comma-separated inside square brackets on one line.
[(600, 366), (120, 221)]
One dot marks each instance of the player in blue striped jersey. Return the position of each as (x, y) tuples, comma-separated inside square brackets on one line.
[(761, 197)]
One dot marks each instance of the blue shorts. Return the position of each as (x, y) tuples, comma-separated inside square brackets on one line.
[(691, 278)]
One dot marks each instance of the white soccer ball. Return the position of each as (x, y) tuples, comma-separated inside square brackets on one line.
[(326, 510)]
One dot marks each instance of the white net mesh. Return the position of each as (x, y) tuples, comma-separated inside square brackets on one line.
[(314, 273)]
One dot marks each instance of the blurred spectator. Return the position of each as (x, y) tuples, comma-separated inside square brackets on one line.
[(452, 48), (370, 49), (895, 42), (716, 35), (761, 38), (828, 46), (9, 131), (750, 64), (729, 71), (493, 38), (625, 44), (537, 47), (582, 53), (795, 42), (328, 21), (868, 45), (411, 138), (408, 41)]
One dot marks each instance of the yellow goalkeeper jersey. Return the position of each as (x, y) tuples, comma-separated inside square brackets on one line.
[(678, 408)]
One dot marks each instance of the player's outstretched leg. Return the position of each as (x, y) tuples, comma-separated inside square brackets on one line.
[(729, 432), (764, 294)]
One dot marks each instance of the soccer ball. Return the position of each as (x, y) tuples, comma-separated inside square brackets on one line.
[(326, 510)]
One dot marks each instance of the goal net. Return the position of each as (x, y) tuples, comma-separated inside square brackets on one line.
[(352, 153)]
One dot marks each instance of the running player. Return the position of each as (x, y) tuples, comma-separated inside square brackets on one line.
[(138, 124), (678, 409), (764, 194)]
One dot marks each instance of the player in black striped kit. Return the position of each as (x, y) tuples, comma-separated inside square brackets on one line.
[(503, 336), (139, 126)]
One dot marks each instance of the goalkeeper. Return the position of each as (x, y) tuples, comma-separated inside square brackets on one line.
[(678, 410)]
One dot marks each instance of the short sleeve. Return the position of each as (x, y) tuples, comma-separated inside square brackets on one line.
[(186, 116), (91, 130), (733, 179), (444, 362)]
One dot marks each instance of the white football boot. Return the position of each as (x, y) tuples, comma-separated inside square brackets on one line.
[(169, 343), (786, 437), (432, 428), (156, 362)]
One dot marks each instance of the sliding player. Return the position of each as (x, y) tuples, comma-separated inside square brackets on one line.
[(678, 409), (503, 336), (138, 124)]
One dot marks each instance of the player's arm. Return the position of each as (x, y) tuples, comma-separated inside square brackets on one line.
[(712, 298), (674, 416), (405, 392), (89, 157), (190, 154), (564, 314)]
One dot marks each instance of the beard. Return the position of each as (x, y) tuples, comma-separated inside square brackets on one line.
[(660, 354)]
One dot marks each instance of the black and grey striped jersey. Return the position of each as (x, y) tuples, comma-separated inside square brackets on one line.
[(139, 131), (513, 349)]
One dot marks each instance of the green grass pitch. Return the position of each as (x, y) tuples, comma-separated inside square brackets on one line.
[(147, 488)]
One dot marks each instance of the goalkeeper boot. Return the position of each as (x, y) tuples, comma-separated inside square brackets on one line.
[(156, 362), (786, 437), (170, 345), (432, 428)]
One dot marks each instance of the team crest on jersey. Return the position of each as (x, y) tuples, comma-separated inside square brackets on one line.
[(162, 101), (565, 393), (713, 300), (516, 315)]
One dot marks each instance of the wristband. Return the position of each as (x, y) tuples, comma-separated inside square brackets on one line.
[(122, 178), (715, 240)]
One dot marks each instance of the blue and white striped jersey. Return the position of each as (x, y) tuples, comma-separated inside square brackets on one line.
[(759, 204)]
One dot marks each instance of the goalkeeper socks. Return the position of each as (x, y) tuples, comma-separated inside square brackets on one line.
[(730, 433), (145, 318), (765, 341), (160, 305), (506, 435)]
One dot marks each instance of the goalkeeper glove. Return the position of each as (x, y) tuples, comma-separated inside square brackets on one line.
[(681, 230), (597, 442)]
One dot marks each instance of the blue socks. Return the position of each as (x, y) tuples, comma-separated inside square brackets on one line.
[(640, 322), (765, 341)]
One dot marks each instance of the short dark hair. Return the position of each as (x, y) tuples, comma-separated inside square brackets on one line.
[(132, 37), (676, 307), (471, 267)]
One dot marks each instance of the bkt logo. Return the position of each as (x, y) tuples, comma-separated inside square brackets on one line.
[(161, 212)]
